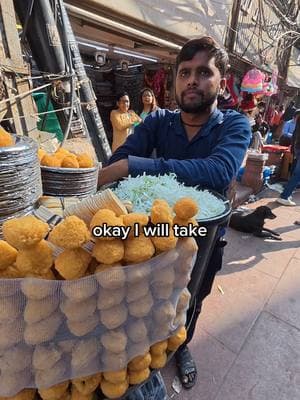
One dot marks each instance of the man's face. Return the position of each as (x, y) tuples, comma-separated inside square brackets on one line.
[(198, 83)]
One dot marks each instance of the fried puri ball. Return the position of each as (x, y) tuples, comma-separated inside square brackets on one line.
[(137, 377), (114, 341), (115, 376), (45, 356), (139, 363), (36, 310), (135, 218), (43, 330), (113, 361), (71, 233), (81, 328), (70, 162), (8, 255), (186, 208), (41, 154), (36, 259), (50, 160), (66, 346), (158, 361), (108, 252), (137, 290), (110, 298), (88, 384), (112, 390), (161, 212), (72, 263), (108, 217), (183, 301), (25, 394), (85, 161), (180, 319), (24, 231), (62, 153), (138, 249), (11, 333), (137, 330), (76, 395), (10, 308), (54, 392), (162, 292), (164, 243), (37, 289), (165, 276), (114, 317), (10, 383), (83, 352), (181, 280), (78, 310), (79, 290), (139, 273), (111, 279), (138, 348), (165, 312), (176, 340), (44, 378), (15, 358), (6, 139), (158, 348), (141, 307), (184, 222)]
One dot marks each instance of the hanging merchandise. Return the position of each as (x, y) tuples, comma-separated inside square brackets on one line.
[(230, 96), (248, 103), (155, 80), (253, 81)]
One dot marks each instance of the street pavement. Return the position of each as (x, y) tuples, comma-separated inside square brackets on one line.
[(247, 342)]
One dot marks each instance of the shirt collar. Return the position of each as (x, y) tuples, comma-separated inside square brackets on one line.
[(215, 118)]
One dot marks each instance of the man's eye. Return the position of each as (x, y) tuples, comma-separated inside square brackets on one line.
[(204, 73), (183, 74)]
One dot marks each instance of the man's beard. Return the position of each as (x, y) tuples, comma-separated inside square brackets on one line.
[(202, 104)]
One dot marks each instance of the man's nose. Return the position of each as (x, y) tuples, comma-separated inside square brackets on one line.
[(192, 81)]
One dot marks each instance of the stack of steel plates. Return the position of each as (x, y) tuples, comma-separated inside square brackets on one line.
[(67, 182), (20, 179)]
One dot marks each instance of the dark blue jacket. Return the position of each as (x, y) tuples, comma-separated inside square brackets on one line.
[(212, 159)]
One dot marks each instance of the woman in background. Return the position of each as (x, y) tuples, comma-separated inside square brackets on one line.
[(148, 102), (122, 120)]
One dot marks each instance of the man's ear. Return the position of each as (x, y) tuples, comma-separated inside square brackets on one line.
[(222, 86)]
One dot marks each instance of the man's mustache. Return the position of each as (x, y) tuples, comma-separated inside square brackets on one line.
[(191, 90)]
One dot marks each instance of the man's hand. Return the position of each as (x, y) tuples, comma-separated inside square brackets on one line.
[(113, 172)]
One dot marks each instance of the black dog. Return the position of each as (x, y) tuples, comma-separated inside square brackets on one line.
[(253, 222)]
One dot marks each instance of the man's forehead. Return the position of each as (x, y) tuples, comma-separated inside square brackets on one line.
[(201, 58)]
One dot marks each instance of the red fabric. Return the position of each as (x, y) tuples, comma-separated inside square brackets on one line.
[(275, 148)]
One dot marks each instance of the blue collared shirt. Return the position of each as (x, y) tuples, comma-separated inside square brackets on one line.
[(289, 127), (211, 159)]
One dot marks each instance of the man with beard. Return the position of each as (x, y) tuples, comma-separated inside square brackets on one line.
[(199, 143)]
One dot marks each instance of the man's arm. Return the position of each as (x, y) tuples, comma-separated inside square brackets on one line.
[(140, 143), (215, 171)]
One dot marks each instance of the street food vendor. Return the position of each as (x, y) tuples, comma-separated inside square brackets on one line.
[(199, 143)]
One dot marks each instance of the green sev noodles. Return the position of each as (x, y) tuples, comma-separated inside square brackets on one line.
[(144, 189)]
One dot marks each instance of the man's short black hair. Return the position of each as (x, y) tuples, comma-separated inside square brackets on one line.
[(209, 45)]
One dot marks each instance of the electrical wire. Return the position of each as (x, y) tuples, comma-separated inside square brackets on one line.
[(27, 18)]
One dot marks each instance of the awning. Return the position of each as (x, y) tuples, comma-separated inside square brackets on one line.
[(162, 23)]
